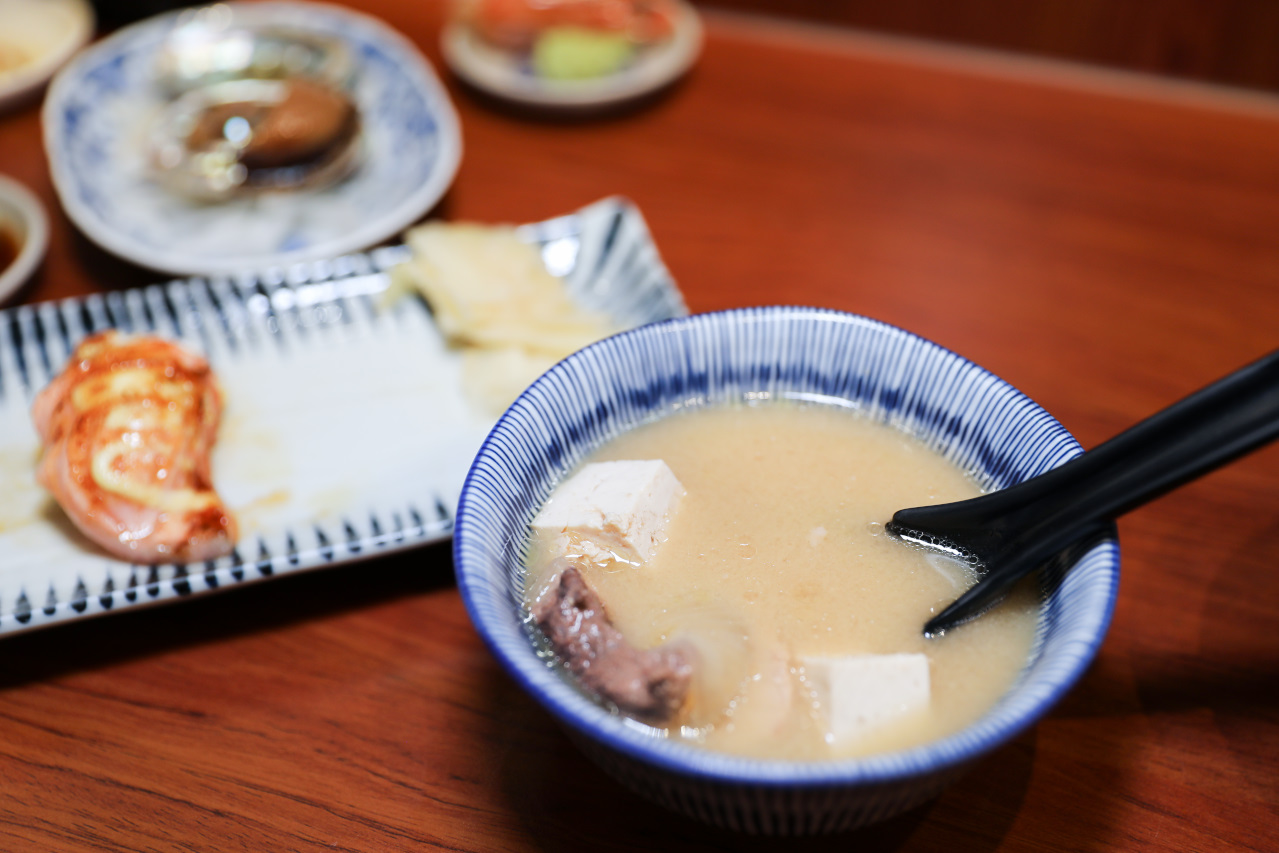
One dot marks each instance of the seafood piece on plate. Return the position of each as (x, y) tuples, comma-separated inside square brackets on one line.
[(127, 430), (517, 24), (245, 137)]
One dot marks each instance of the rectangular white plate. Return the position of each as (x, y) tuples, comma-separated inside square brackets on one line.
[(347, 432)]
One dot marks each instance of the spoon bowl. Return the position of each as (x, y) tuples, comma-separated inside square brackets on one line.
[(1007, 534)]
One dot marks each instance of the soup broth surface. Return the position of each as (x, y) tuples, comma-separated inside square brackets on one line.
[(777, 552)]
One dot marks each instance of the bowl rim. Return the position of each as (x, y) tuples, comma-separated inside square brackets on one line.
[(34, 242), (577, 712)]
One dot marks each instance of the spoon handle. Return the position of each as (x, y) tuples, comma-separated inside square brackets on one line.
[(1016, 529)]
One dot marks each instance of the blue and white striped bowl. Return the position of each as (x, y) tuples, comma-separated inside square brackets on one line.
[(976, 419)]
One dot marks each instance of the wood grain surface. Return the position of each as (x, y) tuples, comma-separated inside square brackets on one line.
[(1107, 243), (1226, 41)]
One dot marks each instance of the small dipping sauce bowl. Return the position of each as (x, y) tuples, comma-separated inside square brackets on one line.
[(976, 419), (24, 235)]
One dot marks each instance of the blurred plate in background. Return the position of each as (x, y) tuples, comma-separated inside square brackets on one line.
[(100, 107), (509, 75)]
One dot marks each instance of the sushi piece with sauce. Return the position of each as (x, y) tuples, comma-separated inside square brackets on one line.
[(127, 431)]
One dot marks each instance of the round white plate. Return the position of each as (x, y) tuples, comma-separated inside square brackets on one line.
[(508, 75), (22, 215), (99, 108), (38, 36)]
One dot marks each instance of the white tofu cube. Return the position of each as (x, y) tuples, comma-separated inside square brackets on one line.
[(860, 693), (623, 508)]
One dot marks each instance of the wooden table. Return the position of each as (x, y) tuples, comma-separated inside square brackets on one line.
[(1106, 243)]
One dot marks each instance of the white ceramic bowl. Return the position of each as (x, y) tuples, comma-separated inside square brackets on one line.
[(975, 418), (21, 217), (39, 37)]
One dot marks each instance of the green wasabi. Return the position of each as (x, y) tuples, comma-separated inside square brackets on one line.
[(576, 53)]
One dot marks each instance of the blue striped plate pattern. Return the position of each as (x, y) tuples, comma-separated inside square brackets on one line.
[(974, 418), (347, 432)]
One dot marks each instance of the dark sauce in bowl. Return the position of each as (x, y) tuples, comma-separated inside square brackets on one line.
[(9, 247)]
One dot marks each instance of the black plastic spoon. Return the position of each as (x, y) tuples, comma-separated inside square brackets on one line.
[(1008, 533)]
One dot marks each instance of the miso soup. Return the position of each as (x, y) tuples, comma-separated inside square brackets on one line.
[(775, 563)]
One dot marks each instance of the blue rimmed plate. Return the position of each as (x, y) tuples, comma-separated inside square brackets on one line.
[(99, 110), (347, 430), (509, 75)]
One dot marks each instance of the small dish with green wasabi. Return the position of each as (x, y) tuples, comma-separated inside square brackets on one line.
[(571, 54)]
